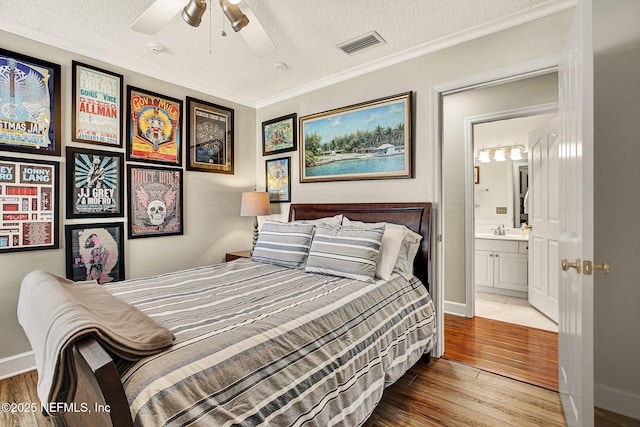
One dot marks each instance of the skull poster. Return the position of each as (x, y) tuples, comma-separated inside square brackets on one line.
[(94, 183), (95, 252), (155, 201), (154, 127)]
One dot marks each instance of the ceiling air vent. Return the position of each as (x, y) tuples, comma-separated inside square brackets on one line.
[(361, 43)]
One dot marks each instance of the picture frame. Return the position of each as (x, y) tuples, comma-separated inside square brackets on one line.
[(210, 137), (155, 201), (476, 174), (95, 252), (154, 127), (280, 135), (369, 140), (29, 207), (96, 105), (94, 183), (30, 111), (278, 179)]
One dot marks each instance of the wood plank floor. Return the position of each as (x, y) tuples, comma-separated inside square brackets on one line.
[(518, 352)]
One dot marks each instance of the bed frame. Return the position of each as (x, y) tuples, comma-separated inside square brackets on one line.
[(99, 385)]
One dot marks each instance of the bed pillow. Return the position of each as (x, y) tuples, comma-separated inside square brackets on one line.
[(281, 243), (350, 252), (408, 251), (330, 220), (390, 247)]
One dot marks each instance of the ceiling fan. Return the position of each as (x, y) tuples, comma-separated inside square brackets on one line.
[(162, 11)]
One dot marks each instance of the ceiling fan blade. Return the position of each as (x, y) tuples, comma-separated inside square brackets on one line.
[(157, 15), (255, 35)]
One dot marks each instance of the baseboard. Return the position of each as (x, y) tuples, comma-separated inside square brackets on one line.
[(455, 308), (18, 364), (618, 401)]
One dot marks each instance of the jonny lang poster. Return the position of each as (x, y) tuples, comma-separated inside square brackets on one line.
[(28, 205)]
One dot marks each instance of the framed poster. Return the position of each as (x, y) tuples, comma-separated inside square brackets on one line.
[(370, 140), (154, 127), (278, 179), (97, 105), (95, 252), (155, 201), (279, 135), (28, 204), (210, 135), (30, 117), (94, 183)]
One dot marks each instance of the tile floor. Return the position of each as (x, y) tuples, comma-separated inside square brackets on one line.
[(512, 310)]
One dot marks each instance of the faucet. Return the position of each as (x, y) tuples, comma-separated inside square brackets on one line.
[(500, 231)]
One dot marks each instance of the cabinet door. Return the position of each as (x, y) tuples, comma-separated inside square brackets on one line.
[(511, 271), (484, 268)]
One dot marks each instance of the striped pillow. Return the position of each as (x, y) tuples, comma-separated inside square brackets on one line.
[(345, 251), (285, 244)]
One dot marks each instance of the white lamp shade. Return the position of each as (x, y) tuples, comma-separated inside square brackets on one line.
[(516, 153), (255, 204), (499, 155), (483, 157)]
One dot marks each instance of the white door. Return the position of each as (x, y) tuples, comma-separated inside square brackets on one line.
[(575, 338), (544, 245)]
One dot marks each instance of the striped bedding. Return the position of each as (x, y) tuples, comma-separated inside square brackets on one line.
[(263, 344)]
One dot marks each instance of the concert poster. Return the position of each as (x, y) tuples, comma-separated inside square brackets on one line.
[(29, 104), (94, 183), (155, 201), (210, 136), (95, 252), (28, 205), (97, 105), (154, 127)]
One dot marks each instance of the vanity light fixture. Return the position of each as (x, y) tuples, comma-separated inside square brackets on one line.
[(499, 154)]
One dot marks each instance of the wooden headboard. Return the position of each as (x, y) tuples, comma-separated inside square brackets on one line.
[(415, 216)]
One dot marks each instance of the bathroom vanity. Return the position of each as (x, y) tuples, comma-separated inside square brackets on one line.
[(501, 264)]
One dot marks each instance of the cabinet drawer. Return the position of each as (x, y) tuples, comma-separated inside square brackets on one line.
[(497, 245), (523, 247)]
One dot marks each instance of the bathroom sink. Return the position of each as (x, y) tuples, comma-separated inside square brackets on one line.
[(501, 237)]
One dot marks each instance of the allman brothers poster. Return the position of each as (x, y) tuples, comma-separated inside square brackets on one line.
[(97, 105), (28, 205), (94, 183), (155, 201), (29, 104), (154, 127)]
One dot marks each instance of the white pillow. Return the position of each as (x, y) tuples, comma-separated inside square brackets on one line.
[(408, 251), (330, 220)]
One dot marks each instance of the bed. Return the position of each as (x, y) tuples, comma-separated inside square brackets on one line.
[(262, 343)]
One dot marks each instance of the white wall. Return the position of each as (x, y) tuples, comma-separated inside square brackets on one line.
[(617, 204), (212, 225)]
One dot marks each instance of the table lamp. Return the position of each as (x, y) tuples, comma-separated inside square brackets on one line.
[(254, 204)]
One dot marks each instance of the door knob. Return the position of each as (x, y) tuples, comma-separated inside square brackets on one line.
[(566, 265), (589, 266)]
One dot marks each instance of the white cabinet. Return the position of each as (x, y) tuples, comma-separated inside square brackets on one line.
[(501, 264)]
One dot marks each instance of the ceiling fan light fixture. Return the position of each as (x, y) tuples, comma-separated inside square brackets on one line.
[(238, 19), (193, 12)]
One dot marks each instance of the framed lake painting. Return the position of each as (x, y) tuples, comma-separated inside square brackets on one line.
[(370, 140)]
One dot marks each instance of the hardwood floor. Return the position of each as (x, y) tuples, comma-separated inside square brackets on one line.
[(518, 352)]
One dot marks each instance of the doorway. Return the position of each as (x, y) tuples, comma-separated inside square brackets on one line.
[(501, 227), (506, 97)]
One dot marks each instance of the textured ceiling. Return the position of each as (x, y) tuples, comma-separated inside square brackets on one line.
[(305, 33)]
